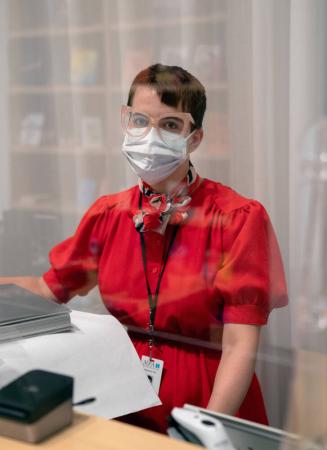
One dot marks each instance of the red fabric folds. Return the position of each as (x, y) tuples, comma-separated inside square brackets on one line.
[(224, 267)]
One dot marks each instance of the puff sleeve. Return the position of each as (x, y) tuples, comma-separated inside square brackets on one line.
[(250, 280), (74, 262)]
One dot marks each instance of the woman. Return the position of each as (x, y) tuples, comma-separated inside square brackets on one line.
[(190, 266)]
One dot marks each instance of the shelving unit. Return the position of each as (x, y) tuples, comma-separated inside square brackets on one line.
[(57, 89), (55, 32), (153, 23), (71, 64)]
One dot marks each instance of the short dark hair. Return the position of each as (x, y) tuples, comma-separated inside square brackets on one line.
[(175, 87)]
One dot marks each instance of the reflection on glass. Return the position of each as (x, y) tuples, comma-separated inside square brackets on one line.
[(312, 280)]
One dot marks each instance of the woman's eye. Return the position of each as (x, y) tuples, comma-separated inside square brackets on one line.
[(139, 121), (172, 124)]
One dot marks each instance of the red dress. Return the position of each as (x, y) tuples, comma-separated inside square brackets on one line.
[(224, 267)]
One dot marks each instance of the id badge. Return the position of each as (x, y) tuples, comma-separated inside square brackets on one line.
[(153, 368)]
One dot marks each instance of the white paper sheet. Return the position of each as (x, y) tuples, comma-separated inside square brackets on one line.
[(100, 357)]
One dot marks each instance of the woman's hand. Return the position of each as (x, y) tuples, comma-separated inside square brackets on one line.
[(33, 284), (236, 368)]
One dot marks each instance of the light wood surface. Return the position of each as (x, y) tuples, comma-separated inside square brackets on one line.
[(307, 413), (95, 433)]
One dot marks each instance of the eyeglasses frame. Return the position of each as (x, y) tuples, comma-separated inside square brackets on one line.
[(153, 123)]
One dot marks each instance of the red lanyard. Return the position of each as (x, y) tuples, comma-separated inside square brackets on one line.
[(153, 299)]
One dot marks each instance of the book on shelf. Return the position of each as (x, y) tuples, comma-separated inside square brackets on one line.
[(175, 55), (24, 314), (84, 66), (205, 60), (91, 133), (32, 129), (208, 62)]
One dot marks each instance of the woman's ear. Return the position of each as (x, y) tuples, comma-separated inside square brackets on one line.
[(195, 140)]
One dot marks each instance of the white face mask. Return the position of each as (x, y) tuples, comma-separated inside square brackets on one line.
[(151, 158)]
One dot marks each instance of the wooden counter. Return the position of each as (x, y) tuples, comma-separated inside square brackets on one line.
[(95, 433)]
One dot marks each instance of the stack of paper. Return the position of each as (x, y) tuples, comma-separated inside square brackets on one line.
[(23, 314), (98, 354)]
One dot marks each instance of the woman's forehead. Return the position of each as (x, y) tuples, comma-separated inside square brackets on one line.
[(147, 100)]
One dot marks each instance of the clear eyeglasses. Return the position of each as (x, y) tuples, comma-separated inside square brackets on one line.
[(170, 127)]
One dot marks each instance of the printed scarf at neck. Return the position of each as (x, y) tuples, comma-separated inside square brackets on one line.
[(163, 209)]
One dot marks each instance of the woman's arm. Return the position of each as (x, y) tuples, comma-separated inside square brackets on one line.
[(236, 368), (33, 284)]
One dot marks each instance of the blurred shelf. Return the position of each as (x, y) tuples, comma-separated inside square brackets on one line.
[(79, 151), (210, 86), (57, 89), (41, 84), (54, 32), (163, 23), (49, 208), (58, 151)]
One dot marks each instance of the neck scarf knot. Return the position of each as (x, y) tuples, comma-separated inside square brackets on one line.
[(163, 209)]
